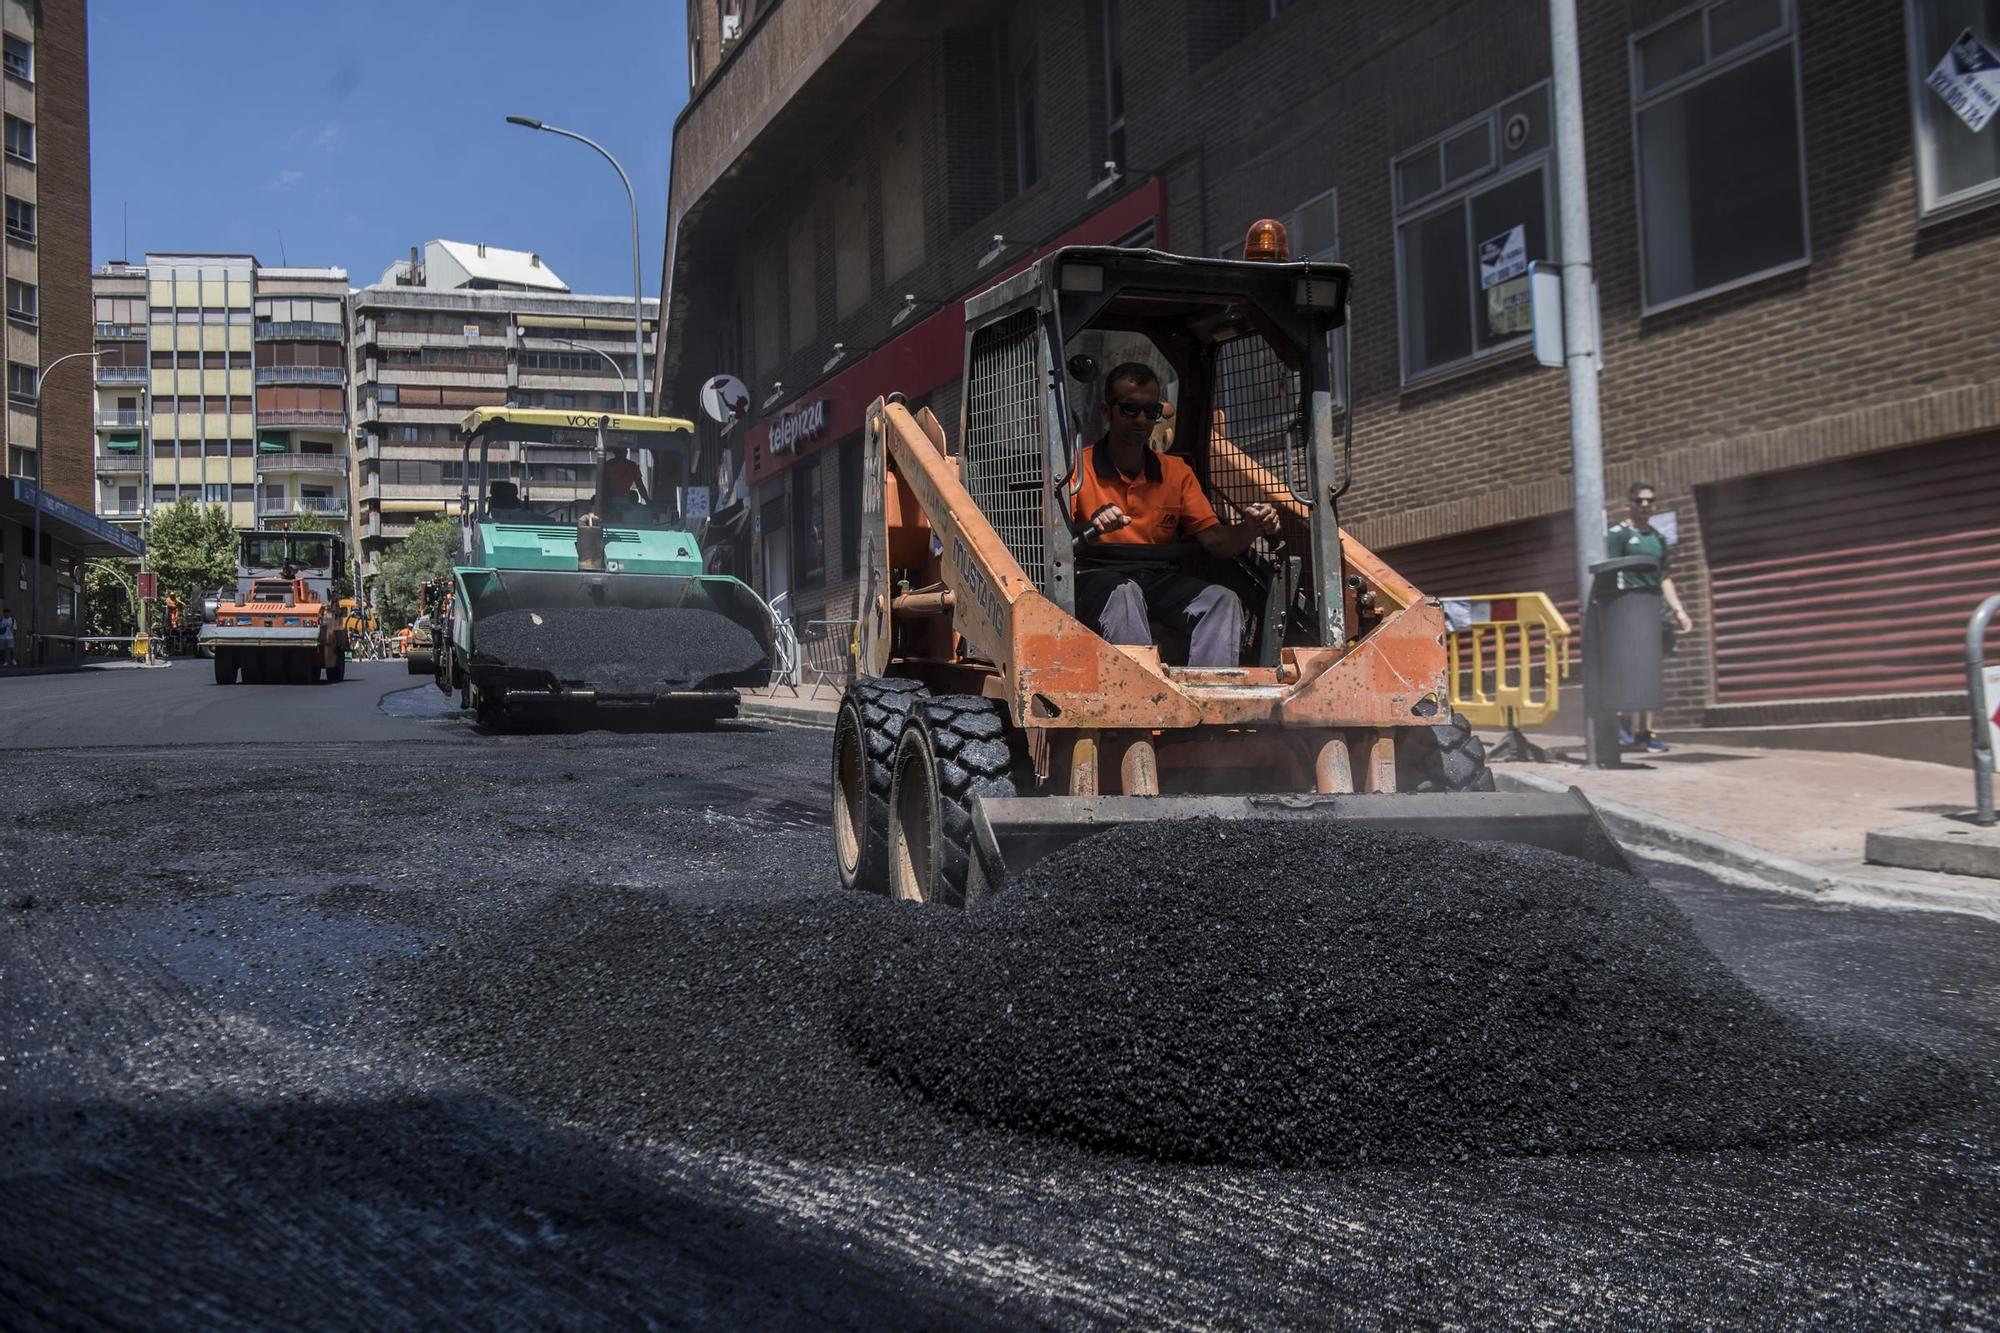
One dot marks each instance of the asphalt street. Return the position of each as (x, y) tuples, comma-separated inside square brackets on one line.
[(320, 1007)]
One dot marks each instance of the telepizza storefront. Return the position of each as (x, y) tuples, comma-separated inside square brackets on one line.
[(803, 460)]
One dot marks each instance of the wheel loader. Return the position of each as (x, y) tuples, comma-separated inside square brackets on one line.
[(570, 519), (282, 625), (988, 726)]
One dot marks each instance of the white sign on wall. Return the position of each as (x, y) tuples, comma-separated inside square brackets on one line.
[(1968, 79), (1503, 258), (724, 399)]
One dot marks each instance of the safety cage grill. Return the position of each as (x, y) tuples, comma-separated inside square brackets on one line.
[(1258, 443), (1003, 462)]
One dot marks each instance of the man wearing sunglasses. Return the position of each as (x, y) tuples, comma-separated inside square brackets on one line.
[(1637, 536), (1128, 494)]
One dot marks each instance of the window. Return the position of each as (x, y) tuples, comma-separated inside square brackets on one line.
[(21, 463), (1721, 157), (1114, 81), (17, 57), (1958, 165), (409, 434), (20, 219), (808, 525), (21, 384), (385, 394), (215, 493), (1472, 211), (20, 139), (24, 302), (559, 400), (128, 499), (1027, 151)]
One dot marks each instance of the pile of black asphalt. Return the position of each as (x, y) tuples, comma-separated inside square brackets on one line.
[(621, 649), (1272, 994), (1294, 994)]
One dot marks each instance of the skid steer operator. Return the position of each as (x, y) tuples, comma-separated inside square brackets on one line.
[(1129, 494)]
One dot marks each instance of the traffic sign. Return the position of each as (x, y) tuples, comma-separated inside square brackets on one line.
[(149, 585)]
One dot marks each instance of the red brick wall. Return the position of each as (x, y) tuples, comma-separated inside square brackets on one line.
[(62, 110)]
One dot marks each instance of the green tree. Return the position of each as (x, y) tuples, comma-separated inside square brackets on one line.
[(110, 598), (192, 549), (427, 553)]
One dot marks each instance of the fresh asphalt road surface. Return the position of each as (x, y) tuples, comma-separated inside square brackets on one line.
[(319, 1007), (181, 704)]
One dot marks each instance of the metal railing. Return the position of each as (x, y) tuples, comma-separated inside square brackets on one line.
[(301, 375), (300, 460), (108, 420), (301, 329), (304, 504), (826, 652), (120, 331), (122, 374), (300, 417), (121, 463)]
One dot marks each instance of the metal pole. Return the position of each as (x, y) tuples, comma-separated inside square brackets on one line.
[(1982, 710), (1586, 442), (41, 484), (638, 291)]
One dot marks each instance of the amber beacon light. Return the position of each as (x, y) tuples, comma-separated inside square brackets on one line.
[(1267, 241)]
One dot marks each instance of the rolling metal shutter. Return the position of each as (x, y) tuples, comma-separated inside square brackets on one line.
[(1535, 556), (1855, 578)]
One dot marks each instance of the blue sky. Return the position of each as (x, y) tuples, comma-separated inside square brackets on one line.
[(343, 133)]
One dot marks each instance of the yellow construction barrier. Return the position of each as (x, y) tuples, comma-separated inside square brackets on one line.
[(1508, 654)]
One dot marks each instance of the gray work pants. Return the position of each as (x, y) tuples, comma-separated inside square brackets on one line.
[(1121, 605)]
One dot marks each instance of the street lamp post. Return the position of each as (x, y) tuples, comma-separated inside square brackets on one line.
[(624, 390), (638, 292), (41, 483)]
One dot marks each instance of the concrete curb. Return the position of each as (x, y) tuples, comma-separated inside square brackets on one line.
[(1734, 860), (791, 715)]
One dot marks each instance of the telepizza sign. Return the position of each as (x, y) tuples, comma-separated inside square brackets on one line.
[(791, 430)]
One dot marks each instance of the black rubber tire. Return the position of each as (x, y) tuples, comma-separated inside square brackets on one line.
[(253, 667), (225, 667), (866, 730), (975, 750), (338, 671), (1447, 757)]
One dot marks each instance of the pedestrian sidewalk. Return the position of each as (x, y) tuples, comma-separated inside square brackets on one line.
[(1790, 819), (806, 706)]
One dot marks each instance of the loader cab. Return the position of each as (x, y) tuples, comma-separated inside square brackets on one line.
[(1245, 354), (265, 557)]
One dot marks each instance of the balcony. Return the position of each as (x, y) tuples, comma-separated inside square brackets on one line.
[(326, 506), (301, 375), (295, 329), (121, 332), (107, 464), (300, 417), (133, 420), (122, 374), (296, 460)]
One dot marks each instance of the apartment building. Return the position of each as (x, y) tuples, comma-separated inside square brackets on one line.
[(221, 381), (461, 325), (47, 527), (1793, 226)]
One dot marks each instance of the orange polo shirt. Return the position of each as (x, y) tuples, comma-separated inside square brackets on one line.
[(1163, 500)]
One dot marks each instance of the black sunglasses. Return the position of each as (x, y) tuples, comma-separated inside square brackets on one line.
[(1150, 411), (1642, 500)]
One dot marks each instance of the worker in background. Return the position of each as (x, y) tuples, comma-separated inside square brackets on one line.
[(503, 504), (625, 500), (7, 636), (1637, 536), (1128, 493)]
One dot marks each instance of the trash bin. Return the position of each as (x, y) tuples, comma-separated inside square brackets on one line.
[(1623, 654)]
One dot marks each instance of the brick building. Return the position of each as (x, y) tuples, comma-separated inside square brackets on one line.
[(45, 177), (1793, 234), (221, 381)]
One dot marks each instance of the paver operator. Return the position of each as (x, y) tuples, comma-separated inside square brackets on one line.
[(1128, 493)]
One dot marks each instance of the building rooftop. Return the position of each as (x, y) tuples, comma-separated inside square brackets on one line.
[(466, 264)]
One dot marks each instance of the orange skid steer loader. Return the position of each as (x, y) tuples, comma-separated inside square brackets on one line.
[(988, 725)]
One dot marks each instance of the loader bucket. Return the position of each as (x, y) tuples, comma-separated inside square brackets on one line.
[(1012, 833), (564, 638)]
